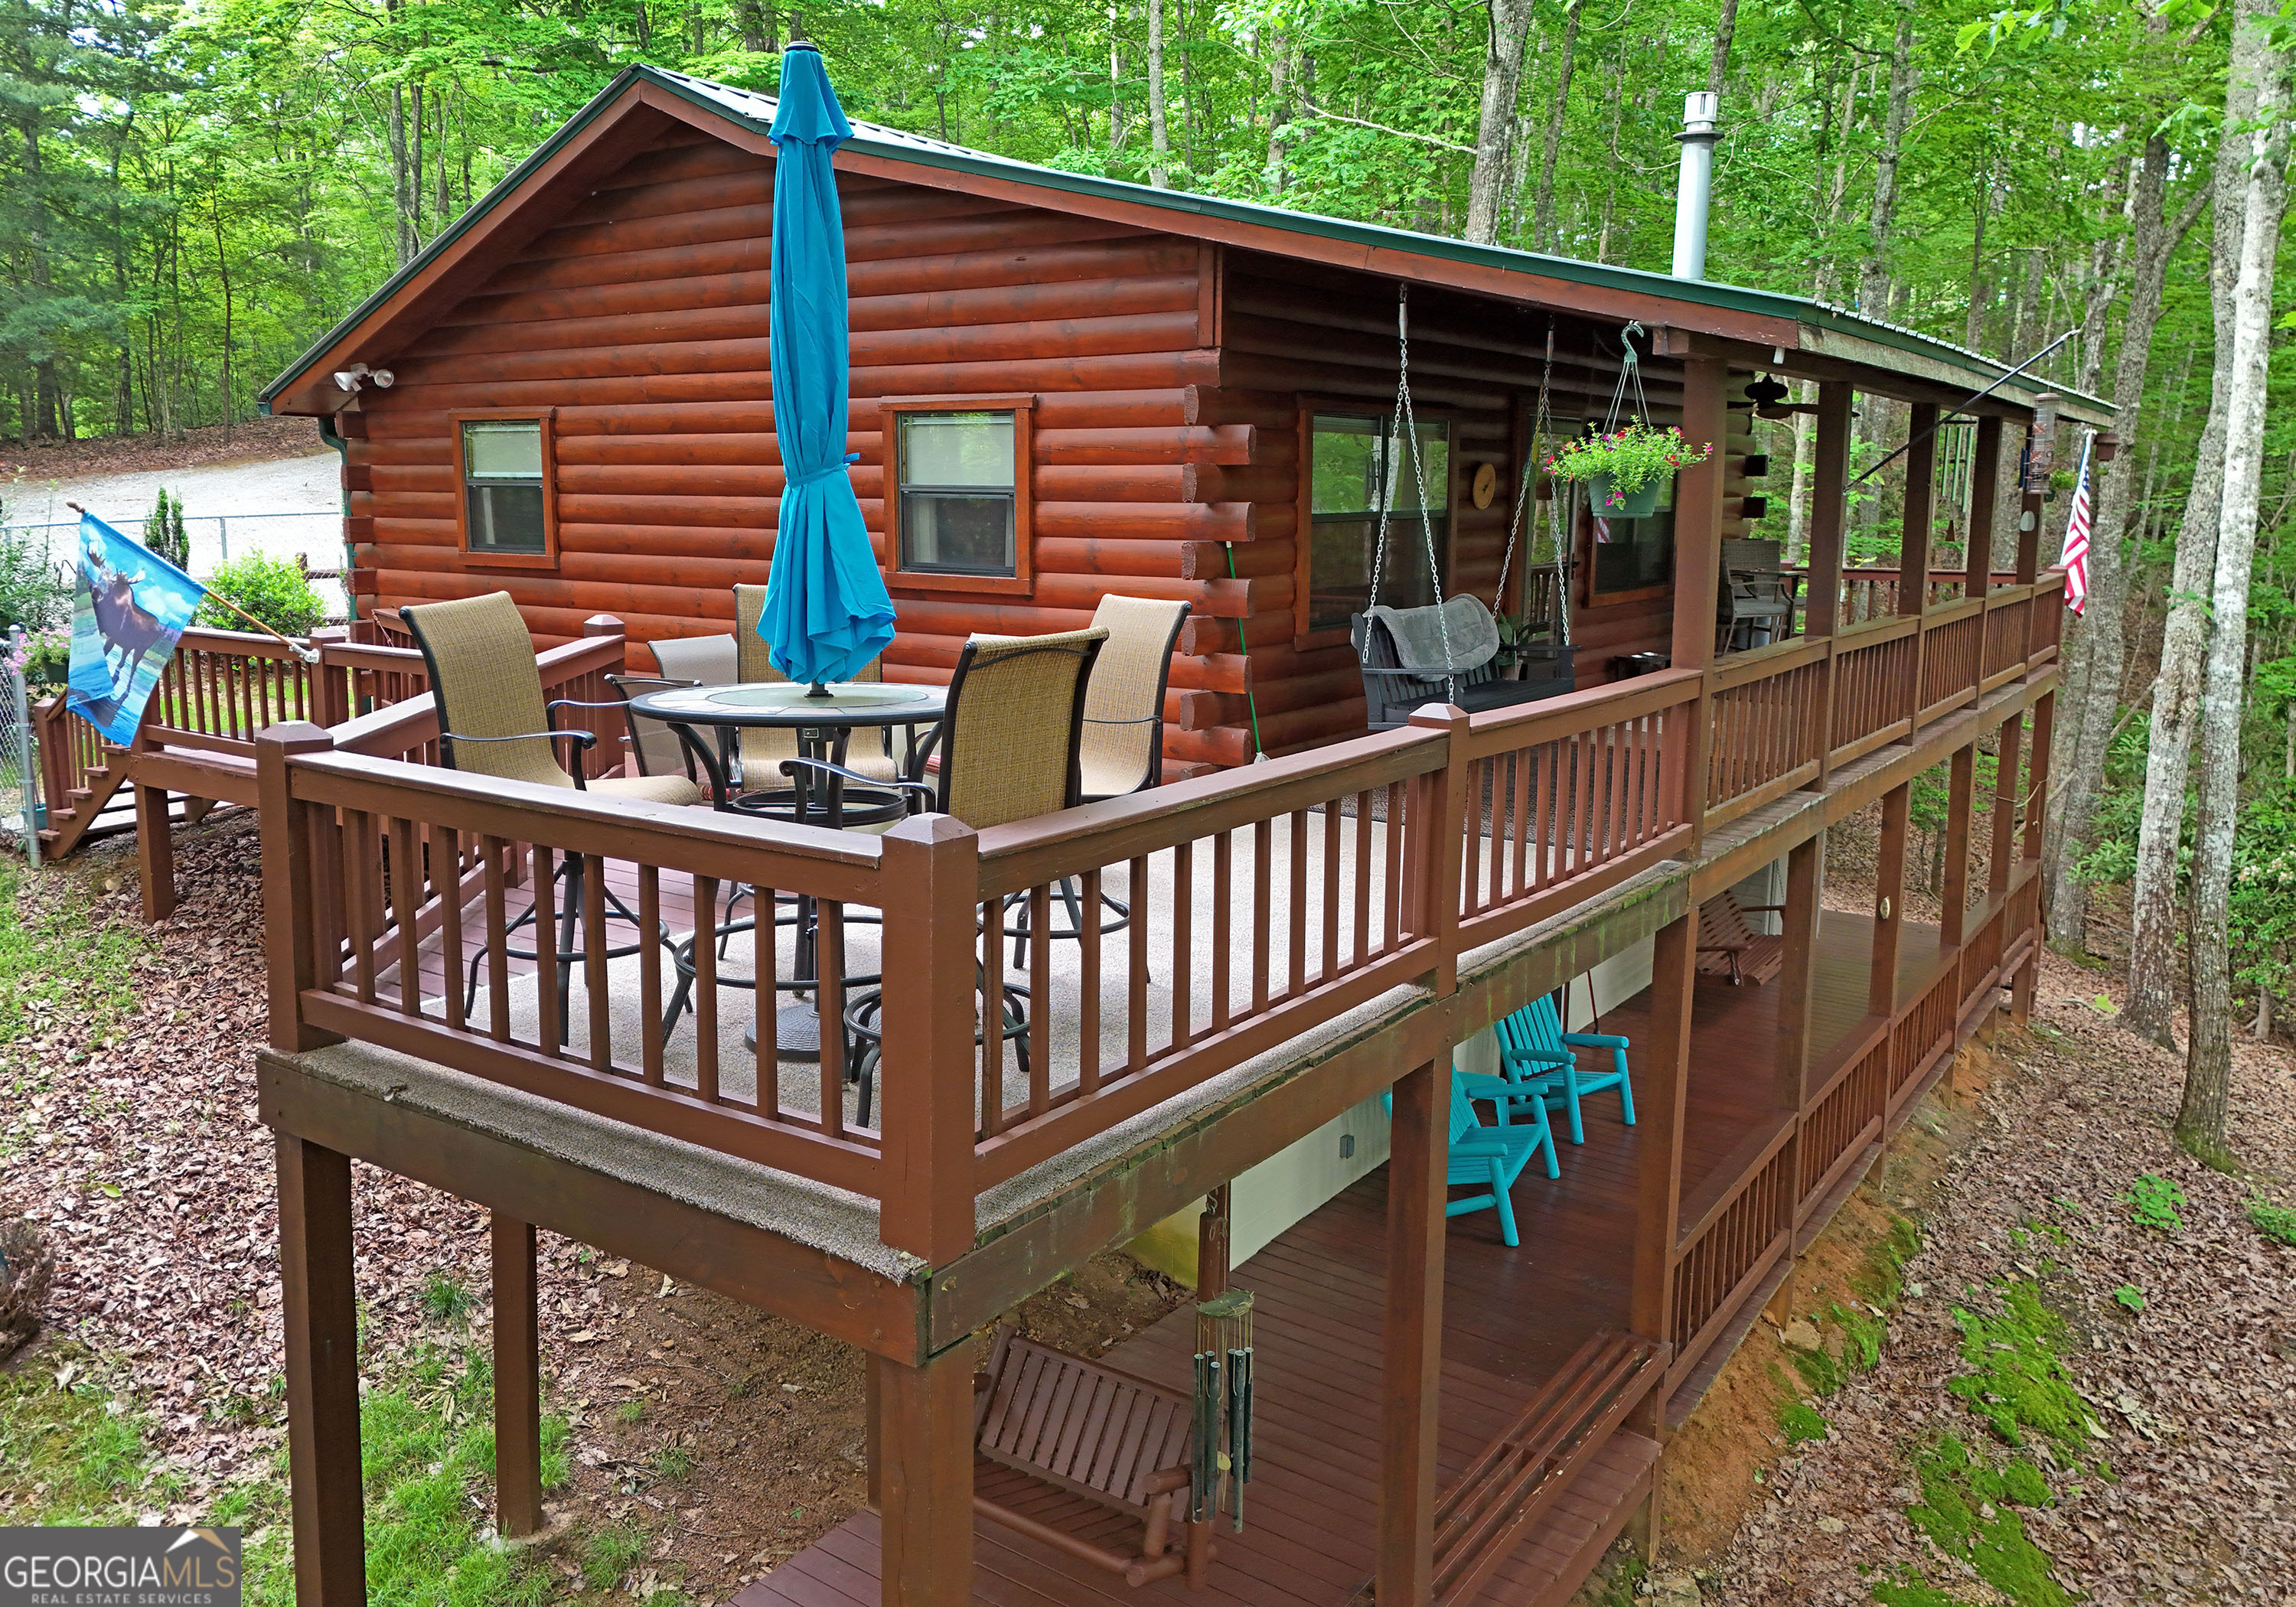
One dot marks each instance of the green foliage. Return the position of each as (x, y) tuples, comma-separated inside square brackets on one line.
[(2153, 1200), (2015, 1381), (1968, 1508), (1629, 456), (1880, 1281), (163, 530), (272, 589), (446, 1301), (611, 1553), (2274, 1222), (34, 592), (2130, 1299), (1799, 1422), (1862, 1334), (56, 957)]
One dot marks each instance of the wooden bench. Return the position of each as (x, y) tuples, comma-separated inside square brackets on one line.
[(1727, 947), (1501, 1495), (1094, 1431)]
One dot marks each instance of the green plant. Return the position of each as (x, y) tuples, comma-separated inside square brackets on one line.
[(2130, 1298), (2153, 1200), (1968, 1509), (1800, 1423), (611, 1553), (2016, 1382), (631, 1412), (163, 530), (47, 657), (273, 590), (34, 592), (673, 1462), (2274, 1222), (446, 1301), (1629, 457)]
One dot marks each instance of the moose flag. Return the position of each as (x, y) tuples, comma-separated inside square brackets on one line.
[(128, 608)]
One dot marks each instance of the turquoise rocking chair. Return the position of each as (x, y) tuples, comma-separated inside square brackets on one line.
[(1536, 1059), (1490, 1156)]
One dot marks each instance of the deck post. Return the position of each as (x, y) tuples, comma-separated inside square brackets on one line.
[(1913, 542), (2006, 798), (2033, 488), (320, 1312), (2037, 780), (1961, 806), (1664, 1090), (1411, 1337), (1798, 976), (518, 1379), (1984, 486), (1890, 900), (291, 872), (1698, 563), (1434, 843), (1829, 508), (923, 1474), (932, 877), (155, 850)]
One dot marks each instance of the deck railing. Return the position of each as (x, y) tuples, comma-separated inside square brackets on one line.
[(1766, 708)]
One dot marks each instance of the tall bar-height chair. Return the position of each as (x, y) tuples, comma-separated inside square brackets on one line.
[(1009, 743), (763, 752), (493, 720), (1122, 745), (683, 661)]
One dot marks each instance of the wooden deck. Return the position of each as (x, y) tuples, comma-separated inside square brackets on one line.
[(1512, 1318)]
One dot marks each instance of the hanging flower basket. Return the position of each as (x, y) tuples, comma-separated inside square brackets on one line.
[(1625, 468)]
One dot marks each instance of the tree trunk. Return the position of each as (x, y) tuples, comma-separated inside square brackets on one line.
[(1873, 281), (1724, 26), (1542, 214), (1279, 109), (2153, 917), (2102, 622), (402, 183), (1805, 434), (1510, 24), (2208, 1058), (1160, 139), (753, 27), (1974, 327), (1616, 110)]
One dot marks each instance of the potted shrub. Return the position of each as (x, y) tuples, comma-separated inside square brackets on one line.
[(1625, 468)]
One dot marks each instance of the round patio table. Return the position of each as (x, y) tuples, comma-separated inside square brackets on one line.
[(824, 724)]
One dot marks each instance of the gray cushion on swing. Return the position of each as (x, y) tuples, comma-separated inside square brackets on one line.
[(1448, 638)]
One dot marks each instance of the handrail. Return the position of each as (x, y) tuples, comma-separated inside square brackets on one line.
[(1760, 663)]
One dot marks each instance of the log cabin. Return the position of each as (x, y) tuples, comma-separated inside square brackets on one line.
[(1454, 1404)]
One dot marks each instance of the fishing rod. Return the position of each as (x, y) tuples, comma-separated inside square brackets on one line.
[(1956, 409)]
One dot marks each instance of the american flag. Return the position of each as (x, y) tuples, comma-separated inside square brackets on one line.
[(2076, 558)]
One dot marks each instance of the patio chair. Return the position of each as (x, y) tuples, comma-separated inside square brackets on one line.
[(763, 753), (1122, 748), (1537, 1060), (1489, 1155), (1729, 947), (1009, 744), (683, 661), (1754, 598), (493, 720)]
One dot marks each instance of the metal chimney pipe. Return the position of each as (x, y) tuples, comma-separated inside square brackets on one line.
[(1694, 190)]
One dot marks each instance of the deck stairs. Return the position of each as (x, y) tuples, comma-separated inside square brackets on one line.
[(89, 810)]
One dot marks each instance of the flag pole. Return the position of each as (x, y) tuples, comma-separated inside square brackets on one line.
[(301, 650)]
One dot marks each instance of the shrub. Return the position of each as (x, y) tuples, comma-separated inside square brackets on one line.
[(2276, 1222), (163, 530), (272, 589), (33, 591), (2152, 1201)]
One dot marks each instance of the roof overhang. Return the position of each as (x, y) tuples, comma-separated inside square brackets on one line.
[(1766, 329)]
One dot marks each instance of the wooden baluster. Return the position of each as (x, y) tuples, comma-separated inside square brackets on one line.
[(990, 977), (1296, 946), (593, 961), (495, 853), (705, 987), (1263, 849), (1363, 876), (766, 970), (831, 999), (1088, 991), (1136, 999), (1183, 959), (1396, 827), (1224, 923), (1040, 991), (546, 947), (359, 870), (650, 974), (405, 910), (1521, 763), (1334, 828)]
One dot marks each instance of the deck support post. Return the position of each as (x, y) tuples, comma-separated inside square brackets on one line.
[(1797, 975), (2010, 751), (321, 1317), (1913, 539), (1829, 511), (1698, 561), (2033, 486), (1984, 511), (931, 875), (1961, 808), (1890, 900), (1664, 1090), (155, 851), (291, 872), (1411, 1358), (2037, 781), (518, 1379), (923, 1472)]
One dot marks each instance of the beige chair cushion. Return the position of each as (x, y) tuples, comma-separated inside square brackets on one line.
[(484, 676), (1006, 744), (706, 660), (763, 752), (1127, 693)]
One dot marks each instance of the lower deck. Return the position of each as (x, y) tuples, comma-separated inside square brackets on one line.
[(1511, 1319)]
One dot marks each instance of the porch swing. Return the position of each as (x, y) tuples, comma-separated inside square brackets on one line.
[(1449, 650)]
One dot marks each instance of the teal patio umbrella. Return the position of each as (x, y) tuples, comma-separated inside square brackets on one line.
[(826, 612)]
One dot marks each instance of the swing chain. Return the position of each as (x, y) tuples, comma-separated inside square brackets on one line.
[(1541, 425)]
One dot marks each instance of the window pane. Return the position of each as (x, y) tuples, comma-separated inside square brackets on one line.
[(957, 533), (1349, 476), (511, 449), (1631, 553), (506, 517), (957, 449)]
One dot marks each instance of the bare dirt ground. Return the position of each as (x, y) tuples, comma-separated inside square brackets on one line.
[(32, 461), (733, 1437)]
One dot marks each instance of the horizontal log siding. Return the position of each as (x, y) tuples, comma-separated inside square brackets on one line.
[(643, 319)]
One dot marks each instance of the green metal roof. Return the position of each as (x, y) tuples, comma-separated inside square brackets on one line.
[(755, 112)]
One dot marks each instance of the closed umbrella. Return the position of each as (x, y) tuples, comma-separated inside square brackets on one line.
[(826, 612)]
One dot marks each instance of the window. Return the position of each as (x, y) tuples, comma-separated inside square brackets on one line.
[(509, 505), (1633, 554), (958, 515), (1359, 462)]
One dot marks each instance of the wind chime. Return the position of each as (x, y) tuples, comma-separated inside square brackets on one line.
[(1222, 1437)]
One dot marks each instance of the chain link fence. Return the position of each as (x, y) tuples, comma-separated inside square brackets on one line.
[(22, 810), (316, 540)]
